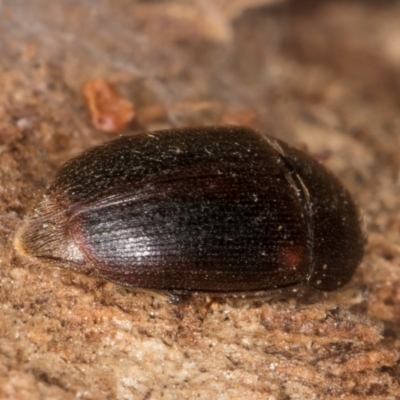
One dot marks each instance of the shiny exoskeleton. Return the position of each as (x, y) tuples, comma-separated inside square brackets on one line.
[(213, 209)]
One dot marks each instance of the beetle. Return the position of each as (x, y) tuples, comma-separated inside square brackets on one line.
[(212, 209)]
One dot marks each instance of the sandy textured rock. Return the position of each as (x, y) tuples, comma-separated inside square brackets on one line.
[(321, 75)]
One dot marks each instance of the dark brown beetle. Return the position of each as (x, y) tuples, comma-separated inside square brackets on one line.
[(215, 209)]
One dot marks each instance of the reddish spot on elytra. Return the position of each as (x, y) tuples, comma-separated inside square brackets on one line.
[(293, 256)]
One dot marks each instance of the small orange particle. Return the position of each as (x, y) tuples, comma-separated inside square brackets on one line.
[(151, 113), (242, 117), (108, 110)]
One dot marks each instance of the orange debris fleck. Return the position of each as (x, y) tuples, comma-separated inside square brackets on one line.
[(108, 110), (243, 117)]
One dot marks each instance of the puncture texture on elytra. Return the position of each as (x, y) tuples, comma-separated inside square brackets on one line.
[(214, 209)]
